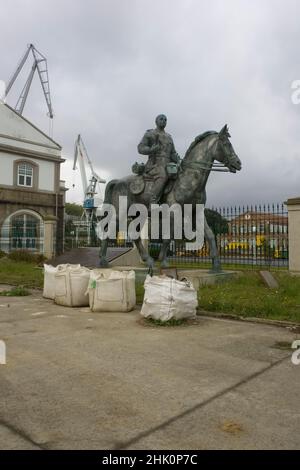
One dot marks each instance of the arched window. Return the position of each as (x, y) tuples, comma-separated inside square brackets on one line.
[(25, 175), (23, 230)]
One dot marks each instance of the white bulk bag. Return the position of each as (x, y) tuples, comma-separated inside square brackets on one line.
[(112, 291), (167, 298), (49, 278), (71, 284)]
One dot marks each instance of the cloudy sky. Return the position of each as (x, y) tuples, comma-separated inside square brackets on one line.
[(115, 64)]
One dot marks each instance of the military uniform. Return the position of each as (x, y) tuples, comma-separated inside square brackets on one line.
[(158, 160)]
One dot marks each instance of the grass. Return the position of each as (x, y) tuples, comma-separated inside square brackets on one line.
[(139, 290), (20, 273), (15, 292), (247, 296)]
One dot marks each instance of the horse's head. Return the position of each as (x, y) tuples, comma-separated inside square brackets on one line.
[(226, 153)]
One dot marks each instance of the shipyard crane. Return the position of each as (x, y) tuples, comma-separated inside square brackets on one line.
[(90, 188), (39, 64)]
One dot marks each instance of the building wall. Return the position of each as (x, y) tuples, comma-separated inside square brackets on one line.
[(46, 171), (45, 205), (20, 141)]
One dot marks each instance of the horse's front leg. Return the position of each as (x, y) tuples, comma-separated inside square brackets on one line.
[(102, 254), (163, 254), (213, 250), (144, 253)]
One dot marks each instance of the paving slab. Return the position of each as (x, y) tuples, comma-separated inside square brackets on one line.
[(78, 380)]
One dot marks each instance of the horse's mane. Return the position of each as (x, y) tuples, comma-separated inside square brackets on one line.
[(198, 139)]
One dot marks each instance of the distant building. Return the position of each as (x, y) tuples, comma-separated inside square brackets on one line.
[(32, 196), (254, 231)]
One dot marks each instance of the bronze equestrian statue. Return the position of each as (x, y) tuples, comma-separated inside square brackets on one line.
[(163, 179)]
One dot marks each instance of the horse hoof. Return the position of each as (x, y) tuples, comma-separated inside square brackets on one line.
[(103, 263), (216, 268), (164, 264), (150, 262)]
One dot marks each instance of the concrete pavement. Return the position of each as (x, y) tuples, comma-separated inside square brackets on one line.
[(78, 380)]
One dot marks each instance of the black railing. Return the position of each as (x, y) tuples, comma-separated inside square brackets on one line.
[(247, 236)]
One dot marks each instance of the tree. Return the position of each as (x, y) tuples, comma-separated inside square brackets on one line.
[(72, 208), (217, 223)]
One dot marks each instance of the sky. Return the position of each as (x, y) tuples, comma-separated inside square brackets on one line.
[(114, 65)]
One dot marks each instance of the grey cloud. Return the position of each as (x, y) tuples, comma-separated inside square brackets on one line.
[(115, 64)]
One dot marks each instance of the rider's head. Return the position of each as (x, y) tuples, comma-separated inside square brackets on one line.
[(161, 121)]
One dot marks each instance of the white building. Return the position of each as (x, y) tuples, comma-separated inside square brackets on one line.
[(31, 193)]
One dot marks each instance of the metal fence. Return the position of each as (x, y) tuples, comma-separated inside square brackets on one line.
[(251, 236), (246, 236)]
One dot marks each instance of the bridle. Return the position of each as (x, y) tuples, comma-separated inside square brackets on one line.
[(221, 166)]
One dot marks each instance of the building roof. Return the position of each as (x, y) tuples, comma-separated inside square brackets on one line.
[(19, 134), (253, 216)]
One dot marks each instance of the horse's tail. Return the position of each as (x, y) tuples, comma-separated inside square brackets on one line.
[(108, 191)]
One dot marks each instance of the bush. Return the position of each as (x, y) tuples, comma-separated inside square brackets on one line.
[(15, 292), (2, 254), (27, 256)]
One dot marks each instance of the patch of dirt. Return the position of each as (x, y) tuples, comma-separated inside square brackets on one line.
[(188, 322), (231, 427)]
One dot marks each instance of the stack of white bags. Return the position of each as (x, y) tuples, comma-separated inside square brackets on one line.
[(104, 290)]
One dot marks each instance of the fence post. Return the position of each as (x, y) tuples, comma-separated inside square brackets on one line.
[(293, 206)]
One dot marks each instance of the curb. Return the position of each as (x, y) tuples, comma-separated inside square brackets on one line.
[(264, 321)]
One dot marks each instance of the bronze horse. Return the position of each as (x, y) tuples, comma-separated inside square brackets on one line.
[(188, 188)]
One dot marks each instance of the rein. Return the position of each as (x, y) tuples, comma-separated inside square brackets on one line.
[(202, 166), (207, 166)]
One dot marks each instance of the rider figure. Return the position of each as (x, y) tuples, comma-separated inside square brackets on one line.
[(159, 146)]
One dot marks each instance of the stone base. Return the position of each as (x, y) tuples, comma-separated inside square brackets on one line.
[(198, 277), (201, 277), (130, 258)]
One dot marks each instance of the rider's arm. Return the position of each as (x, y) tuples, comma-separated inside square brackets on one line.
[(146, 146), (174, 157)]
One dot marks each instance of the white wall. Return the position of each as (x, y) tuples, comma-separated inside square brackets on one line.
[(6, 169), (46, 171), (15, 131)]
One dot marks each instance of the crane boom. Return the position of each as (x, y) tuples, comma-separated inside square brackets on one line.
[(23, 96), (79, 158), (100, 180), (39, 64), (89, 190), (17, 71)]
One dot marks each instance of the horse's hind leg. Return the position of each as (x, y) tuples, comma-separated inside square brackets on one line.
[(213, 250)]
